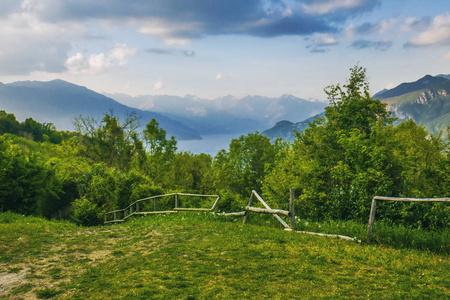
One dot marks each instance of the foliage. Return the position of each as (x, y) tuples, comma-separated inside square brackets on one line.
[(85, 212), (109, 141), (354, 153)]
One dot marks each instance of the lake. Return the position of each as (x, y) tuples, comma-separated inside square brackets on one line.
[(210, 144)]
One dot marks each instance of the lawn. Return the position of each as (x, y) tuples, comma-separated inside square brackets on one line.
[(203, 256)]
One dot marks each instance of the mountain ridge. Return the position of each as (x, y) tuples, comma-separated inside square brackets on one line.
[(59, 102)]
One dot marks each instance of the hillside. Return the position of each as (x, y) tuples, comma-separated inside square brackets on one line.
[(409, 87), (429, 106), (191, 256), (59, 102)]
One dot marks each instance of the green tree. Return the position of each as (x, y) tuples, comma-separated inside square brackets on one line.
[(109, 141)]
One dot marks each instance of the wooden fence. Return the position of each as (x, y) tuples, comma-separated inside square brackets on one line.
[(121, 215), (268, 210), (374, 207)]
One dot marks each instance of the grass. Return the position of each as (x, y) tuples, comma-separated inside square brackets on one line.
[(202, 256)]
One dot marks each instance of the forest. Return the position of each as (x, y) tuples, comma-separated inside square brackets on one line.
[(336, 166)]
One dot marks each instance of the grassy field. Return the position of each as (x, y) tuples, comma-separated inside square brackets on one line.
[(201, 256)]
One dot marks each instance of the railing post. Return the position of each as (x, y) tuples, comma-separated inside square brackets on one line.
[(373, 208), (137, 206), (176, 200), (154, 204), (292, 208), (115, 216), (249, 204)]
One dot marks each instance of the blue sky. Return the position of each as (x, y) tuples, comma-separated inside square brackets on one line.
[(214, 48)]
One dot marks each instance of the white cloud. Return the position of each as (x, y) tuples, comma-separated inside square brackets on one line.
[(158, 85), (100, 63), (323, 8), (447, 56), (437, 34), (122, 53), (224, 76), (325, 40), (219, 76)]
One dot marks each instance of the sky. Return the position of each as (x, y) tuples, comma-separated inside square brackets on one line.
[(213, 48)]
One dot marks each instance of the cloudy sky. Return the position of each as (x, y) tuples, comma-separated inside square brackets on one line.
[(212, 48)]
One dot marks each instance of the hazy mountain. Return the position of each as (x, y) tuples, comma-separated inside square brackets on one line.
[(285, 129), (444, 76), (409, 87), (227, 114), (59, 102)]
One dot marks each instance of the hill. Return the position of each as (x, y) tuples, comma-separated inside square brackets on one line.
[(227, 114), (59, 102), (204, 257)]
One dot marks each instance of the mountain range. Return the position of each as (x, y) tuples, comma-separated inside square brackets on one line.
[(229, 114), (59, 102), (426, 101)]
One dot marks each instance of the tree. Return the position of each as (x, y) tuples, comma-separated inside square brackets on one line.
[(243, 168), (109, 141)]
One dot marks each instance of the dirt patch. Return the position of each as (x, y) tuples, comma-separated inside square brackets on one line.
[(10, 280)]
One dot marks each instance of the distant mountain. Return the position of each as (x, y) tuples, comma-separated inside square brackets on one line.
[(285, 129), (227, 114), (59, 102), (444, 76), (408, 87), (429, 106)]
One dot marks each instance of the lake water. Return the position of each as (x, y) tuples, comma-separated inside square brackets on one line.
[(210, 144)]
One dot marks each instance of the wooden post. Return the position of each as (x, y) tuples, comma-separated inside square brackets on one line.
[(292, 208), (154, 204), (137, 206), (115, 216), (371, 219), (176, 200), (249, 204)]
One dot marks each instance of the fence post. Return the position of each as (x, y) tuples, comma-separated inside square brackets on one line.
[(249, 204), (137, 206), (292, 208), (176, 200), (373, 208), (154, 204)]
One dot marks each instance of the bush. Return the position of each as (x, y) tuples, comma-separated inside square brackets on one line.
[(85, 212)]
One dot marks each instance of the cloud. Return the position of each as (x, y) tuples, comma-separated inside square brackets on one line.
[(100, 63), (178, 22), (338, 7), (170, 51), (447, 56), (158, 85), (416, 24), (224, 76), (381, 45), (370, 28), (436, 34)]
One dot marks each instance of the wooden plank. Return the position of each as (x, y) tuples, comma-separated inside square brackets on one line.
[(330, 235), (235, 214), (213, 208), (292, 208), (412, 199), (373, 209), (156, 212), (267, 211), (268, 207), (246, 211), (196, 195), (113, 221), (192, 209)]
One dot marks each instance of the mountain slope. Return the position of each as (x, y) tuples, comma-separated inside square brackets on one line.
[(59, 102), (430, 106), (408, 87), (285, 129)]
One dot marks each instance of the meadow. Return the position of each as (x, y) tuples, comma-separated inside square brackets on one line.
[(205, 256)]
